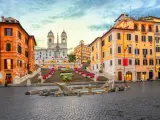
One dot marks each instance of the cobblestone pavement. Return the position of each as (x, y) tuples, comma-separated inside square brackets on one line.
[(141, 102)]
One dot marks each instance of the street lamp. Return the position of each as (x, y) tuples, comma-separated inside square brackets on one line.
[(124, 65)]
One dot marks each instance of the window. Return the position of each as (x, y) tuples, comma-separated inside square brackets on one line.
[(97, 66), (8, 31), (103, 43), (157, 49), (110, 50), (130, 62), (136, 38), (128, 36), (119, 61), (96, 56), (93, 68), (137, 51), (20, 63), (26, 54), (157, 39), (103, 54), (129, 49), (110, 38), (50, 40), (157, 29), (137, 62), (150, 28), (135, 27), (119, 49), (103, 65), (144, 52), (110, 62), (118, 36), (26, 41), (19, 49), (151, 62), (143, 28), (92, 58), (156, 61), (143, 38), (150, 51), (145, 62), (8, 47), (19, 35), (150, 38), (93, 48), (63, 53), (8, 63)]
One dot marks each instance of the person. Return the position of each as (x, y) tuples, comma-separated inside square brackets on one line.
[(6, 84)]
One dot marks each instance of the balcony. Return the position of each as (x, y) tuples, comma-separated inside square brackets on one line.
[(144, 30)]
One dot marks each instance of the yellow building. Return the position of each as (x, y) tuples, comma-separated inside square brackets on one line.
[(96, 58), (131, 42), (82, 52)]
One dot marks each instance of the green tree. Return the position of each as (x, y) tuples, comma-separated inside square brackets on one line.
[(71, 58)]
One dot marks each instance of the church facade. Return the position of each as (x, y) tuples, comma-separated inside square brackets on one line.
[(56, 50)]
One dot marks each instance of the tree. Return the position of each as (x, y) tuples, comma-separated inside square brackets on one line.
[(71, 58)]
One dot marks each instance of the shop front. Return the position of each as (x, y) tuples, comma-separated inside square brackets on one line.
[(129, 76), (144, 76)]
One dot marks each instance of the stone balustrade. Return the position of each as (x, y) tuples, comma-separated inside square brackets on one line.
[(18, 80)]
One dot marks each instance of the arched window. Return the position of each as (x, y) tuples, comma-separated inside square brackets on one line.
[(8, 47), (129, 49), (50, 40), (135, 27), (143, 28), (63, 40), (63, 53)]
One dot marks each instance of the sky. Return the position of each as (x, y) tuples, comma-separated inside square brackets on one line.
[(81, 19)]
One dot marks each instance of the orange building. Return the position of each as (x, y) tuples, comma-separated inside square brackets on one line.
[(133, 42), (16, 49), (82, 52)]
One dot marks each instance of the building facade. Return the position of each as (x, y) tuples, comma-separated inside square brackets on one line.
[(82, 52), (55, 53), (16, 49), (129, 49)]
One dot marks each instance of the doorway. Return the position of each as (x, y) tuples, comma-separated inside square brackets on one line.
[(129, 76), (138, 75), (150, 74), (144, 76), (8, 78), (158, 74), (119, 75)]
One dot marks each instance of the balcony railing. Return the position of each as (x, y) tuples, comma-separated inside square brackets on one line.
[(147, 30)]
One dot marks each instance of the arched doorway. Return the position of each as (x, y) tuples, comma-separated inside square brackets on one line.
[(119, 75), (129, 76), (150, 74)]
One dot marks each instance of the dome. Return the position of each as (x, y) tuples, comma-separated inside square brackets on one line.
[(50, 33)]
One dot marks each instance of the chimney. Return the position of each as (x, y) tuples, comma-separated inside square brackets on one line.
[(2, 18)]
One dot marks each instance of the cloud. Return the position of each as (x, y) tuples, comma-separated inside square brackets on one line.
[(36, 26), (100, 27)]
